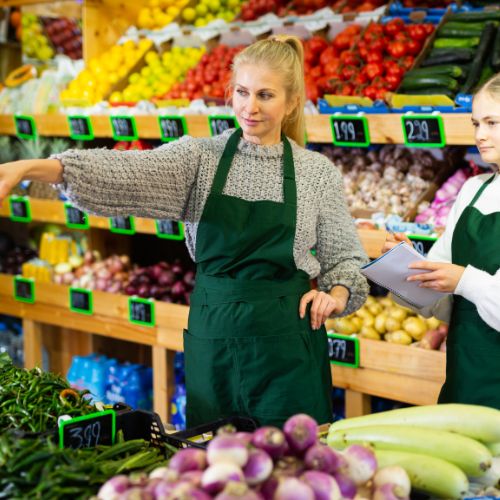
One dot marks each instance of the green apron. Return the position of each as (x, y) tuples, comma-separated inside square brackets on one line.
[(247, 352), (473, 347)]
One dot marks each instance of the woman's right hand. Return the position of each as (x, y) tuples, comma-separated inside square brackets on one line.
[(393, 239), (11, 174)]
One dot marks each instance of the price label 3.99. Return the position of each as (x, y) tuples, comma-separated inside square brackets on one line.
[(424, 131), (350, 130), (88, 431), (220, 123), (343, 350)]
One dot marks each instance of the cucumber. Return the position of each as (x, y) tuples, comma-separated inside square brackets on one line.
[(471, 17), (460, 30), (423, 82), (456, 42), (448, 56), (442, 69), (430, 91), (495, 56)]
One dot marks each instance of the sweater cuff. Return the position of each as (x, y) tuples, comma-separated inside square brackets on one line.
[(472, 281)]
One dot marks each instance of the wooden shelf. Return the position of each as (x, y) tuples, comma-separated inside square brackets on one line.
[(384, 128)]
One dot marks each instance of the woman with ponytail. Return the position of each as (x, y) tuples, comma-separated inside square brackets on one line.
[(255, 203)]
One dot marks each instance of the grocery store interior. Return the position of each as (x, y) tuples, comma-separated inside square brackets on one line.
[(93, 308)]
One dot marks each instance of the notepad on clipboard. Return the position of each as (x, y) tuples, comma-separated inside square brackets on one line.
[(390, 270)]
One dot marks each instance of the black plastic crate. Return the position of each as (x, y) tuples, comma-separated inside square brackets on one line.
[(140, 424)]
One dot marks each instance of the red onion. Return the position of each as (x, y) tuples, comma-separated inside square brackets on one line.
[(166, 278), (290, 488), (169, 475), (258, 468), (238, 491), (289, 466), (114, 487), (179, 288), (216, 477), (245, 437), (323, 485), (270, 439), (301, 432), (227, 448), (388, 491), (188, 459), (189, 278), (177, 268), (151, 486), (362, 463), (193, 476), (346, 485), (323, 458)]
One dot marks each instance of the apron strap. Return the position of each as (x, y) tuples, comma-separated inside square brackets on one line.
[(480, 190), (289, 187)]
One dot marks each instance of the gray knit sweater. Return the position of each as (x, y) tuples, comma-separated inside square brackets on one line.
[(174, 180)]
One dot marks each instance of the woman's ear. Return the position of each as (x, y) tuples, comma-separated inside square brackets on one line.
[(291, 106)]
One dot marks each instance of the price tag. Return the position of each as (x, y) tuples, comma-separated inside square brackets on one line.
[(88, 431), (80, 128), (141, 311), (422, 244), (423, 131), (75, 218), (24, 289), (169, 229), (124, 128), (81, 300), (172, 127), (343, 350), (220, 123), (122, 225), (25, 127), (350, 130), (20, 208)]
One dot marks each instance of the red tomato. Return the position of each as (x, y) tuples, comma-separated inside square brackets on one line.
[(407, 62), (347, 72), (327, 56), (363, 52), (331, 68), (370, 92), (360, 79), (397, 49), (375, 28), (346, 89), (312, 93), (395, 70), (374, 57), (413, 47), (394, 26), (316, 72), (342, 42), (372, 70), (352, 29), (350, 58), (402, 37), (317, 44), (377, 44), (418, 32), (392, 82), (429, 28), (381, 94)]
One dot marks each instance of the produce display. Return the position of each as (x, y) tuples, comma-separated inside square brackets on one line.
[(34, 41), (159, 13), (13, 257), (65, 36), (446, 450), (206, 11), (356, 5), (253, 9)]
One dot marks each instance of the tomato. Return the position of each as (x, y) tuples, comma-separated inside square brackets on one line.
[(413, 47), (317, 44), (402, 37), (342, 41), (429, 28), (349, 58), (346, 89), (375, 28), (331, 68), (418, 32), (381, 94), (372, 70), (377, 44), (397, 49), (360, 79), (395, 70), (370, 92), (316, 72), (327, 56), (407, 62), (394, 26), (363, 52), (353, 29), (392, 82), (374, 57), (312, 93), (347, 72)]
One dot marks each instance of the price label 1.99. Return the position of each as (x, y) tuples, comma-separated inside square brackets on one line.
[(20, 208), (350, 130), (124, 128), (88, 431), (172, 127), (122, 225), (80, 128), (25, 127), (169, 229), (81, 300), (422, 244), (141, 311), (423, 131), (343, 350), (220, 123), (75, 218), (24, 289)]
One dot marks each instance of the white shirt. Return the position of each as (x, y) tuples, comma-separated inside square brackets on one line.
[(479, 287)]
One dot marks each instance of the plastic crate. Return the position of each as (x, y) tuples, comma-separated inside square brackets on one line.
[(199, 437), (140, 424)]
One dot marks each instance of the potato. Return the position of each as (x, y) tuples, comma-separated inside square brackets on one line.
[(370, 300), (386, 302), (380, 322), (375, 309), (368, 332), (415, 326), (398, 313), (368, 320), (344, 326), (399, 337), (357, 321), (392, 324), (432, 323)]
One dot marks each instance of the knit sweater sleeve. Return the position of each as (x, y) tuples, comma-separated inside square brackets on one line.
[(153, 183), (339, 250)]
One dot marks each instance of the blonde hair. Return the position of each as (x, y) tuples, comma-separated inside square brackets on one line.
[(492, 86), (283, 54)]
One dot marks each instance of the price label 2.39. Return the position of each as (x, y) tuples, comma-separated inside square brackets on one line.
[(343, 350), (124, 128), (172, 127), (88, 431), (350, 130), (423, 131), (220, 123)]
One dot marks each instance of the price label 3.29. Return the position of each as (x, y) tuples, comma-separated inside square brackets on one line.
[(343, 350), (220, 123), (172, 127), (424, 131), (350, 130), (124, 128)]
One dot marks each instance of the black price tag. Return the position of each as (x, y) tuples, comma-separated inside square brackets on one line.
[(81, 300), (80, 128), (75, 218), (20, 208), (343, 350), (169, 229), (124, 128), (172, 127), (424, 131), (220, 123), (122, 225), (24, 289), (141, 311), (25, 127), (350, 130), (422, 244), (88, 431)]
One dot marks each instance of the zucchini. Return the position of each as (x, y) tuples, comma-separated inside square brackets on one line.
[(480, 59), (456, 42), (495, 56), (430, 91), (423, 82), (448, 56), (471, 17), (442, 69)]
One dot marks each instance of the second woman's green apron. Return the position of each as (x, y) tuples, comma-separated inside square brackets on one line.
[(473, 347), (247, 352)]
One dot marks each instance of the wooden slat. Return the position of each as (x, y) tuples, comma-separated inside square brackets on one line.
[(20, 3), (32, 344), (372, 241)]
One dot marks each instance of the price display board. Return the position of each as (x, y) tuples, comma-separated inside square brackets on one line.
[(343, 350), (122, 225), (169, 229), (80, 128), (75, 218), (81, 300), (20, 208), (24, 289), (25, 127), (141, 311), (220, 123), (124, 128), (88, 431), (422, 244), (350, 130), (172, 127), (423, 131)]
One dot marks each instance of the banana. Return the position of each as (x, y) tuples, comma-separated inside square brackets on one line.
[(494, 448), (428, 474), (470, 455), (477, 422)]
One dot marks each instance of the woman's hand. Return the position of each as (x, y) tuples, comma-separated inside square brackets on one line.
[(10, 176), (324, 304), (393, 239), (443, 277)]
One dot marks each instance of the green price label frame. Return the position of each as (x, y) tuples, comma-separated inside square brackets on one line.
[(20, 199), (81, 137), (439, 120), (90, 298), (355, 341), (176, 237), (176, 118), (131, 119), (91, 416), (149, 302), (366, 129), (73, 225), (122, 231), (221, 117), (22, 135), (28, 281)]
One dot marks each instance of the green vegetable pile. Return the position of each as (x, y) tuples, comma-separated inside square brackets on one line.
[(32, 400)]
